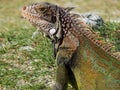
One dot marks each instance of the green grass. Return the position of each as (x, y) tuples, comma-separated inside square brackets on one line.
[(34, 70)]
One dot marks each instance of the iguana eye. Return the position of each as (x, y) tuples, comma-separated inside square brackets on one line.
[(42, 9), (39, 10)]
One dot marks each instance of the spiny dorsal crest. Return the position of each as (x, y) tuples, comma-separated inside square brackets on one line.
[(92, 36)]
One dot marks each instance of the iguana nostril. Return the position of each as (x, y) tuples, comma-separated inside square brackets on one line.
[(24, 7)]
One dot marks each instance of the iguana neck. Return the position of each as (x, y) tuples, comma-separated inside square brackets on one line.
[(65, 34), (80, 32)]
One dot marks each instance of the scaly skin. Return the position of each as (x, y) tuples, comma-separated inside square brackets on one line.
[(82, 59)]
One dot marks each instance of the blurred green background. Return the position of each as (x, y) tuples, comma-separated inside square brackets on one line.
[(28, 64)]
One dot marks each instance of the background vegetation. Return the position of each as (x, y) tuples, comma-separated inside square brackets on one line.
[(26, 63)]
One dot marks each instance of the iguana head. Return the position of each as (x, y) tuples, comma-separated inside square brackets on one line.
[(39, 15), (44, 11), (43, 16)]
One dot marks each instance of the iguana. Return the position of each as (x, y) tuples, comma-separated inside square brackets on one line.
[(83, 60)]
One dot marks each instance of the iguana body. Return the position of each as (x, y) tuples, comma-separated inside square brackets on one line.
[(83, 60)]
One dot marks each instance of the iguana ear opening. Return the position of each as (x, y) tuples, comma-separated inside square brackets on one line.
[(68, 9)]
